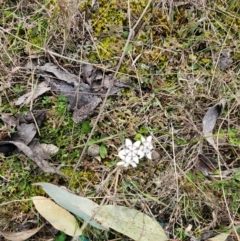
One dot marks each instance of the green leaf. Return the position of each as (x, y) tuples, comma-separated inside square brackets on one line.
[(237, 174), (103, 151), (61, 237), (130, 222), (80, 206), (137, 137), (129, 48), (125, 34), (86, 128)]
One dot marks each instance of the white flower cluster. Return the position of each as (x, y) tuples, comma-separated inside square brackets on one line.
[(132, 152)]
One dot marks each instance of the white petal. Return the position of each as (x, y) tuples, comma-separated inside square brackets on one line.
[(128, 159), (144, 143), (141, 148), (140, 153), (135, 159), (143, 139), (122, 154), (137, 144), (149, 139), (131, 148), (120, 163), (149, 155), (128, 143), (133, 164), (150, 146), (126, 164)]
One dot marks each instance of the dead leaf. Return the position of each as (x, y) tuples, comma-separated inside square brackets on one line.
[(60, 73), (36, 116), (81, 100), (102, 86), (89, 73), (206, 165), (30, 96), (25, 129), (82, 97), (9, 119), (79, 115), (25, 133), (20, 236), (209, 121), (37, 149), (59, 218), (208, 234), (35, 156)]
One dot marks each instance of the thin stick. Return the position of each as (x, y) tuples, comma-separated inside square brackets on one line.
[(174, 162)]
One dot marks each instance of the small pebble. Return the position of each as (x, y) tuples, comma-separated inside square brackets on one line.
[(94, 150), (155, 155)]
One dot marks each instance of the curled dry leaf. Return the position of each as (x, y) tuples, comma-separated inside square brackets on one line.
[(32, 95), (79, 115), (23, 139), (25, 133), (60, 73), (9, 119), (89, 73), (20, 236), (208, 234), (209, 121), (37, 149), (36, 116), (58, 217), (43, 164)]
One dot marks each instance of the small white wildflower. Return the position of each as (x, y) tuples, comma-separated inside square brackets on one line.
[(147, 146), (131, 154)]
